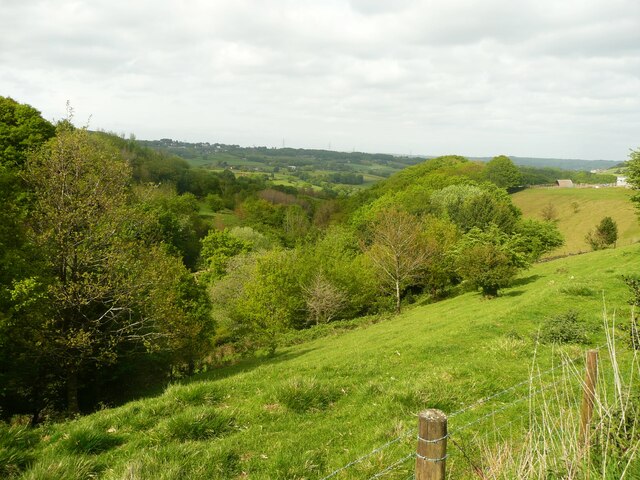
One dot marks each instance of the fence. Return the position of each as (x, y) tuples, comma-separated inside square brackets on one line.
[(434, 436)]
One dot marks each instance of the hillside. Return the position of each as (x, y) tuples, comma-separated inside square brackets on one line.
[(319, 405), (579, 210)]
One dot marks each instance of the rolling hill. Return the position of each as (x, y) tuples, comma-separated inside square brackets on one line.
[(319, 405)]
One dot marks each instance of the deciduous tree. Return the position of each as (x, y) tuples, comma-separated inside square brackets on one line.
[(108, 289), (398, 250)]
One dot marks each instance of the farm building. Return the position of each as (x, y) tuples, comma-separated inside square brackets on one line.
[(621, 182), (564, 183)]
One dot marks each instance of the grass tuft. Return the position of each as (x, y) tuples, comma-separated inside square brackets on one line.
[(578, 291), (197, 393), (302, 395), (64, 468), (85, 440), (15, 449), (198, 423)]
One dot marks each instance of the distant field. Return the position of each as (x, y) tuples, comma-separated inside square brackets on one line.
[(579, 210)]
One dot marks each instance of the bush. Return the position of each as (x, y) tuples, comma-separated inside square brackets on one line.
[(605, 234), (564, 328)]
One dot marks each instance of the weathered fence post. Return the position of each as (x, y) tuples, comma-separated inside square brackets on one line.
[(588, 396), (431, 454)]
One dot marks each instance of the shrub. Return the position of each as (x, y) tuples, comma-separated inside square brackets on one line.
[(564, 328), (605, 234)]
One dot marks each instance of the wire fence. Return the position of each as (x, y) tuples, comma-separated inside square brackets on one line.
[(463, 430)]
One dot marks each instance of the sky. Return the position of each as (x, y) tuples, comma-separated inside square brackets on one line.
[(539, 78)]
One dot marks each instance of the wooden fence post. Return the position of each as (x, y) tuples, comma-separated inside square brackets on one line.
[(588, 396), (431, 454)]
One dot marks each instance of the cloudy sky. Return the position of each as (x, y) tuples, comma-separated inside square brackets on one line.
[(543, 78)]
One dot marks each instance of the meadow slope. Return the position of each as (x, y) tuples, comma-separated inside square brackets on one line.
[(319, 405), (579, 210)]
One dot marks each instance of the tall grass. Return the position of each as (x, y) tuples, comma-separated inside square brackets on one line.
[(551, 447)]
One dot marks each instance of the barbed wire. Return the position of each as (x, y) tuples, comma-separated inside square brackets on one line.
[(392, 466), (511, 388), (465, 409), (504, 407), (370, 454)]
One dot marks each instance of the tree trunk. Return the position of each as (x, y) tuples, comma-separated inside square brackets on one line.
[(72, 393), (397, 297)]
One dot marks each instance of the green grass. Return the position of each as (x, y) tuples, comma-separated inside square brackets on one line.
[(580, 210), (316, 406)]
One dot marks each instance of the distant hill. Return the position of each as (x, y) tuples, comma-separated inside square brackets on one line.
[(564, 163)]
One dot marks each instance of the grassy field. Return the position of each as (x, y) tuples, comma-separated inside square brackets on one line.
[(579, 210), (317, 406)]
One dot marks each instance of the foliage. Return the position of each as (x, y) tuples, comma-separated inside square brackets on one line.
[(633, 171), (214, 202), (549, 213), (397, 251), (566, 327), (22, 129), (323, 299), (489, 259), (538, 238), (605, 234), (105, 288), (438, 272), (470, 206), (502, 172), (263, 298), (172, 219), (217, 248)]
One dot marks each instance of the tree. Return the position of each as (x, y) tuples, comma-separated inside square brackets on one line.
[(538, 238), (270, 299), (502, 172), (469, 205), (214, 202), (107, 288), (217, 248), (22, 129), (489, 259), (323, 299), (397, 250), (440, 236), (605, 234), (633, 174), (549, 213)]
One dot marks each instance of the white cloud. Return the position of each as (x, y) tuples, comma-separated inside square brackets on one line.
[(528, 78)]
